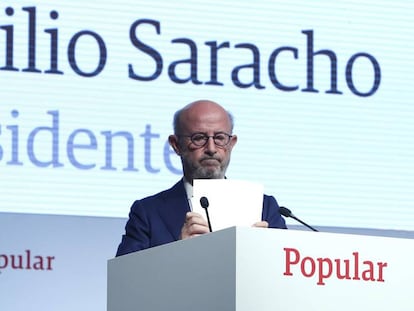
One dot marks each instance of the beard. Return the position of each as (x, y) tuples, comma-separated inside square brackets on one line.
[(199, 171), (208, 173)]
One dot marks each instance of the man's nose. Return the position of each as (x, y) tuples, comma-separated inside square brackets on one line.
[(211, 145)]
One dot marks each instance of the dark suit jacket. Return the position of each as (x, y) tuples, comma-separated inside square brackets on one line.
[(158, 219)]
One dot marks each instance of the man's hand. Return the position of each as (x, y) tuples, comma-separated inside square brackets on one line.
[(261, 224), (194, 225)]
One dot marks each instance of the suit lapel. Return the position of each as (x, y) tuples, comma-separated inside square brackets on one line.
[(175, 206)]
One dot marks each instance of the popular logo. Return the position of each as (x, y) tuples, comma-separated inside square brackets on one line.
[(324, 268), (26, 261)]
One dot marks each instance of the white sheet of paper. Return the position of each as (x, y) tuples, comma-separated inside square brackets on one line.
[(231, 202)]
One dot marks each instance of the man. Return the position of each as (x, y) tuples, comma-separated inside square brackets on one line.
[(203, 140)]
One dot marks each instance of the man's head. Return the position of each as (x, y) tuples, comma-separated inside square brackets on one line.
[(203, 139)]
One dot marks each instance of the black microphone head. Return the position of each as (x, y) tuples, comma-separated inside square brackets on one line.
[(204, 202), (285, 211)]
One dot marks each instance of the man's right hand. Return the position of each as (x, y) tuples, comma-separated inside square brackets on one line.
[(194, 225)]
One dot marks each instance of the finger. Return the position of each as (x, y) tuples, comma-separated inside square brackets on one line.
[(195, 218), (197, 229), (194, 225), (261, 224)]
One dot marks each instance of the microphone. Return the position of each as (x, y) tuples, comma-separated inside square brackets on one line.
[(287, 213), (204, 204)]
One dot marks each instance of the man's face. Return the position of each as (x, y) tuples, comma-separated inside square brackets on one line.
[(209, 161)]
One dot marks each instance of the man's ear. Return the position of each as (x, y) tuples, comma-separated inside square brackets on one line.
[(173, 140), (233, 140)]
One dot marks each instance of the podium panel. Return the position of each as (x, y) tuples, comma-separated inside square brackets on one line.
[(258, 269)]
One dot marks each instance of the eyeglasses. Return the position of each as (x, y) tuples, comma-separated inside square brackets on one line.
[(201, 139)]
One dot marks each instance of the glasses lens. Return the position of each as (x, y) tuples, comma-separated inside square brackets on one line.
[(221, 139), (199, 139)]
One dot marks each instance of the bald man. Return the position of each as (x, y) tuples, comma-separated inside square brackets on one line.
[(203, 139)]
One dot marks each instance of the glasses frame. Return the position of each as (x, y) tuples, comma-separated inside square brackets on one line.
[(207, 137)]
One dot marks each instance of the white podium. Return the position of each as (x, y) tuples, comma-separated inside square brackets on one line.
[(255, 269)]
